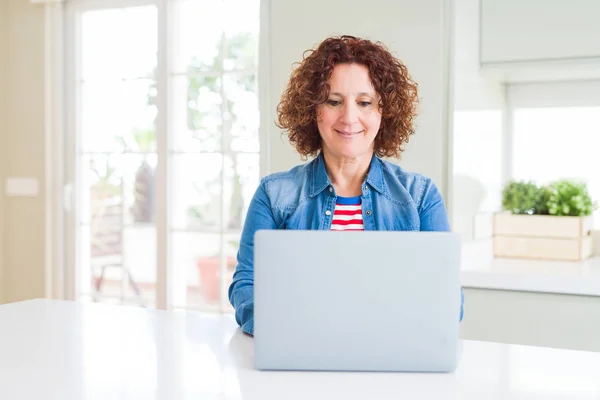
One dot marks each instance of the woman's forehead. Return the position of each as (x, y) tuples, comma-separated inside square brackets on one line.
[(351, 79)]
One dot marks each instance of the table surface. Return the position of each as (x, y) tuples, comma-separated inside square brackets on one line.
[(65, 350)]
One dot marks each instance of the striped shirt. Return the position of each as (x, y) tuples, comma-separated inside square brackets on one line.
[(347, 215)]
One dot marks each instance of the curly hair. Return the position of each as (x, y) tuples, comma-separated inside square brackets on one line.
[(308, 87)]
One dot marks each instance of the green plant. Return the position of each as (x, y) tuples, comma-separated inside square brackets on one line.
[(524, 197), (569, 197), (542, 207)]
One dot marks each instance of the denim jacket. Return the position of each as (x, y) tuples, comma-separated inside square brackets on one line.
[(392, 199)]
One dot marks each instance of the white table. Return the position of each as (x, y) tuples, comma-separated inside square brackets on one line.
[(65, 350)]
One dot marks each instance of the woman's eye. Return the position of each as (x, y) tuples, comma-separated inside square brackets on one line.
[(364, 103), (333, 102)]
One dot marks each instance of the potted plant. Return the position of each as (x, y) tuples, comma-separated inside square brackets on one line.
[(551, 221)]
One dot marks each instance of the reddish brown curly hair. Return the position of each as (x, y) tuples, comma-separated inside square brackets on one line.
[(308, 87)]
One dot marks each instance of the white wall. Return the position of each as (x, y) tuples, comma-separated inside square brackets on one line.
[(525, 30), (414, 31), (479, 105)]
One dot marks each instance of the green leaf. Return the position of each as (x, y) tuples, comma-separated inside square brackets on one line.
[(525, 197), (570, 197)]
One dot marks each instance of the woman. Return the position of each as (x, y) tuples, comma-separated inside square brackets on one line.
[(347, 104)]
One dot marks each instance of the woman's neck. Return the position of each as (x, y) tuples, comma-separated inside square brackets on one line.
[(347, 175)]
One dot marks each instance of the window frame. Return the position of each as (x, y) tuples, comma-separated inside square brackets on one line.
[(71, 178), (574, 93), (580, 93)]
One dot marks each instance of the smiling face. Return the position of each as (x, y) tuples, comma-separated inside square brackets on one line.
[(350, 118)]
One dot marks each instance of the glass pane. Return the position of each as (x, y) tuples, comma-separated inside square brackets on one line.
[(477, 175), (139, 173), (139, 115), (241, 35), (196, 113), (100, 47), (241, 115), (118, 116), (140, 41), (196, 262), (102, 257), (117, 265), (120, 51), (242, 177), (102, 187), (198, 34), (102, 116), (541, 154), (139, 260), (196, 185)]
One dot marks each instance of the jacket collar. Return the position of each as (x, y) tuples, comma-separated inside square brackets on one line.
[(319, 180)]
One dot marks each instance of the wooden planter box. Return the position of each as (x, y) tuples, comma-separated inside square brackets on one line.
[(542, 237)]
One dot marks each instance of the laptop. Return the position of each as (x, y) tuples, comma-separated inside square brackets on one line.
[(356, 301)]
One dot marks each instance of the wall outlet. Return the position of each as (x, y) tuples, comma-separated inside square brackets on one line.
[(22, 187)]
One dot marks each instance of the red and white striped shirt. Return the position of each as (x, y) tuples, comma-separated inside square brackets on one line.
[(347, 215)]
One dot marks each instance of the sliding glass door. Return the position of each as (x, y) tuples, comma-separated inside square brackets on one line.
[(163, 148)]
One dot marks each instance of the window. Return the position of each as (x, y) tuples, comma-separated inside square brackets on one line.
[(554, 136), (164, 145)]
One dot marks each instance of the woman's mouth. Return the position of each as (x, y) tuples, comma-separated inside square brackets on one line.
[(348, 134)]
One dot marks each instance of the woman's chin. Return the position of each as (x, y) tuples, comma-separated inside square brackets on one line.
[(353, 154)]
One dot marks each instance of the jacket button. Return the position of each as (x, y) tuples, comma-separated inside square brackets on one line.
[(330, 189), (368, 212), (327, 212)]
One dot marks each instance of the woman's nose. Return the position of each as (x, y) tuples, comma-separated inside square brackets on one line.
[(349, 114)]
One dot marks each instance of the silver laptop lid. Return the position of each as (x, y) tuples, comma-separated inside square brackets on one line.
[(366, 301)]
